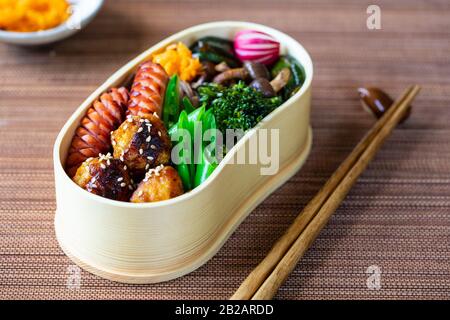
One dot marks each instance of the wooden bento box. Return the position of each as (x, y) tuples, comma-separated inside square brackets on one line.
[(154, 242)]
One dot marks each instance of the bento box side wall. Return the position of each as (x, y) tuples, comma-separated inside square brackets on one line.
[(165, 235), (160, 239)]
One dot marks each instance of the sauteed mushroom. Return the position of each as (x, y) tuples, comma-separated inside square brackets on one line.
[(270, 89), (256, 70), (208, 72), (231, 74), (222, 67), (263, 85)]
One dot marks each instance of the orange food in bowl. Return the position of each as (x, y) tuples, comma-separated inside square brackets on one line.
[(32, 15)]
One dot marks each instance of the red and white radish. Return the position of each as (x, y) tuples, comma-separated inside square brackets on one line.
[(256, 46)]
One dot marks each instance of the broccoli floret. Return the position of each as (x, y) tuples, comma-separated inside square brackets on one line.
[(238, 106)]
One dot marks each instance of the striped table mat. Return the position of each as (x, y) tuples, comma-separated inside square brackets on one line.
[(389, 239)]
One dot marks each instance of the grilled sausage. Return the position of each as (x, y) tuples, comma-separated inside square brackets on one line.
[(93, 135), (148, 89)]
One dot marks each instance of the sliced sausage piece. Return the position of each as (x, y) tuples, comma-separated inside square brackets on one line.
[(93, 135), (148, 89)]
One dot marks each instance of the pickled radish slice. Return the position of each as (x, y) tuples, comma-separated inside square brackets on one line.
[(256, 46)]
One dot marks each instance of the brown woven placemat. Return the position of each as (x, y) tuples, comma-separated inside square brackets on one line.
[(396, 218)]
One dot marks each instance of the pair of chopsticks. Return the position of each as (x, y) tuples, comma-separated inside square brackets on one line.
[(263, 282)]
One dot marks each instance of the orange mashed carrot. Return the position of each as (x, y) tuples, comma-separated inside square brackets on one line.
[(32, 15), (177, 59)]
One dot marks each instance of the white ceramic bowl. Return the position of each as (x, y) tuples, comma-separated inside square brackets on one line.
[(82, 12), (152, 242)]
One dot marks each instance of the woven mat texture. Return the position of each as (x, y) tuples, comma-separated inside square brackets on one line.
[(397, 217)]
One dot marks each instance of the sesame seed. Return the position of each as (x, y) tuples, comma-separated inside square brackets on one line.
[(141, 120), (125, 127), (121, 158), (154, 171), (108, 162), (159, 133), (130, 187), (140, 193), (147, 166), (102, 166), (94, 179), (120, 179), (141, 151), (150, 158), (123, 184), (125, 168), (149, 138), (113, 143), (129, 119), (131, 180), (153, 146), (147, 121), (155, 114), (140, 129)]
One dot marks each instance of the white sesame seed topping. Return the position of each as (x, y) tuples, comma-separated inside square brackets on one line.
[(154, 171), (123, 184), (105, 157), (155, 114), (130, 187), (125, 168), (121, 158), (113, 143), (125, 127), (130, 119), (108, 162), (120, 179), (102, 166), (141, 120), (147, 166), (140, 193), (140, 129), (141, 151), (147, 121), (149, 138), (153, 146), (150, 158), (159, 133)]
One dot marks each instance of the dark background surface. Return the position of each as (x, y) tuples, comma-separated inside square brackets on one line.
[(397, 217)]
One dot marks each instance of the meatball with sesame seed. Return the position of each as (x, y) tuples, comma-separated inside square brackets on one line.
[(142, 143), (106, 177), (160, 183)]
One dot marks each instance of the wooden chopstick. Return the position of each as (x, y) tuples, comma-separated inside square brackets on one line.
[(264, 280), (270, 286)]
